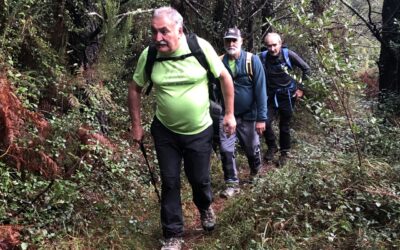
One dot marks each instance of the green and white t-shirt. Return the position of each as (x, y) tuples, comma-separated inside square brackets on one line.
[(181, 88)]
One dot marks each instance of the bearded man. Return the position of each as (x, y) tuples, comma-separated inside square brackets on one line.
[(250, 110)]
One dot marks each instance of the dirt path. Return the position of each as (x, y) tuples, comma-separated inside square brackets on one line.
[(194, 233)]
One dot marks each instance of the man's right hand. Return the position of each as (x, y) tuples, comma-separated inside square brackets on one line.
[(137, 134)]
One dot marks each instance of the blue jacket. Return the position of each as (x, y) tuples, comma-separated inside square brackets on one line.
[(250, 96)]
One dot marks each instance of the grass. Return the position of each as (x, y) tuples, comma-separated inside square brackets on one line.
[(321, 200)]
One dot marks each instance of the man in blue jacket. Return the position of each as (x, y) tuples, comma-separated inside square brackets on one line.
[(250, 109)]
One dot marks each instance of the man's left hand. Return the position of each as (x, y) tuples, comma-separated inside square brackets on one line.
[(229, 124), (299, 94)]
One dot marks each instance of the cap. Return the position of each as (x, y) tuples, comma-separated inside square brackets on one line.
[(232, 33)]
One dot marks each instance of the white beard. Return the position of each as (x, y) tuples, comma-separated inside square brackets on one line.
[(231, 51)]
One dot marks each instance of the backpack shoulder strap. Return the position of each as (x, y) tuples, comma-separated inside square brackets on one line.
[(286, 56), (201, 58), (249, 65), (263, 56), (197, 51), (199, 54), (148, 68)]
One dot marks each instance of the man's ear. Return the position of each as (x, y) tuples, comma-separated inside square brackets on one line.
[(180, 32)]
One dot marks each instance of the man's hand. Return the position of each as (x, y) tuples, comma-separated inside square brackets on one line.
[(229, 124), (137, 134), (299, 94), (260, 127)]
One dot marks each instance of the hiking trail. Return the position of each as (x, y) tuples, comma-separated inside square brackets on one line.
[(194, 233)]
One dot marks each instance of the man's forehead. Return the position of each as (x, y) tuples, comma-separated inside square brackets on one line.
[(161, 22), (272, 41)]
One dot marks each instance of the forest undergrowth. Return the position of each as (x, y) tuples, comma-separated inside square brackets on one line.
[(323, 198), (71, 178), (340, 189)]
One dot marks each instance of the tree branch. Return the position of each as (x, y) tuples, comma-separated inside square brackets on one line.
[(194, 9), (370, 25), (254, 13), (131, 13), (23, 208)]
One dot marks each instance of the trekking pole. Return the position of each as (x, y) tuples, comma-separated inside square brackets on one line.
[(153, 179)]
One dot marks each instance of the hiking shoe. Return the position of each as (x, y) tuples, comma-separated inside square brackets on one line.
[(253, 176), (269, 155), (283, 158), (254, 171), (208, 219), (172, 244), (230, 192)]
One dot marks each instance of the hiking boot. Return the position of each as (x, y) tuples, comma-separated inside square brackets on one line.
[(208, 219), (269, 155), (254, 171), (230, 192), (283, 158), (253, 175), (172, 244)]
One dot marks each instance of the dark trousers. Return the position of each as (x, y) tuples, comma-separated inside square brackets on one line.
[(280, 105), (195, 151)]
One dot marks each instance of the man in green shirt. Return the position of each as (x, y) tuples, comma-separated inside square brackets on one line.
[(182, 126)]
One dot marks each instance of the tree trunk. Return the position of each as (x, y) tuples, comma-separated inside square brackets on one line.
[(319, 6), (2, 15), (59, 33), (267, 12), (250, 37), (218, 17), (180, 7), (389, 66)]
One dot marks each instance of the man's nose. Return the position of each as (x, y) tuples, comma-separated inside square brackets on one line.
[(158, 36)]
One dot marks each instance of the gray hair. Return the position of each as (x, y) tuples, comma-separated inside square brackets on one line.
[(275, 35), (171, 13)]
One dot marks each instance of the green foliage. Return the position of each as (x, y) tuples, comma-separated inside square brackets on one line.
[(322, 201), (333, 91), (326, 197), (380, 134), (108, 180), (115, 43), (31, 62), (100, 178)]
